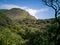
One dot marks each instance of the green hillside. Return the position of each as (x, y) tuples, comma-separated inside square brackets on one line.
[(18, 27), (17, 14)]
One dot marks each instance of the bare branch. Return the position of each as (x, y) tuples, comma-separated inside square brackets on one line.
[(46, 3), (50, 4)]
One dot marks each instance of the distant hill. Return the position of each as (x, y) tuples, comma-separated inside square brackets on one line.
[(17, 14)]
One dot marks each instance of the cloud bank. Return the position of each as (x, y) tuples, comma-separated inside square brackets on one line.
[(33, 12)]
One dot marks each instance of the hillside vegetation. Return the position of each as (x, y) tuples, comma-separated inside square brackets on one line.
[(18, 27)]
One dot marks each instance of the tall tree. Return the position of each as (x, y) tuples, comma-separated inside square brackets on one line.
[(54, 4)]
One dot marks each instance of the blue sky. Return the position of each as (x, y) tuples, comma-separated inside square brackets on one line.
[(34, 7)]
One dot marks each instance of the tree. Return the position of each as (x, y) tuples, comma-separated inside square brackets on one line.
[(54, 4)]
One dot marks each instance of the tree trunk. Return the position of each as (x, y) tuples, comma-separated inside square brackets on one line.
[(58, 28)]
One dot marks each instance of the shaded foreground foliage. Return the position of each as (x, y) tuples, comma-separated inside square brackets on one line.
[(55, 5)]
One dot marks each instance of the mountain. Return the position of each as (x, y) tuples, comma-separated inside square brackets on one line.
[(18, 27), (17, 14)]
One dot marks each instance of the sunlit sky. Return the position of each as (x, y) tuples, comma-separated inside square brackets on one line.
[(34, 7)]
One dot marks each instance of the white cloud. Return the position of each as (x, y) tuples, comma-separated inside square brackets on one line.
[(33, 12), (6, 6)]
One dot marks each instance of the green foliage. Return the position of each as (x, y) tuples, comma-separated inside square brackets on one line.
[(9, 38), (26, 31), (4, 20)]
